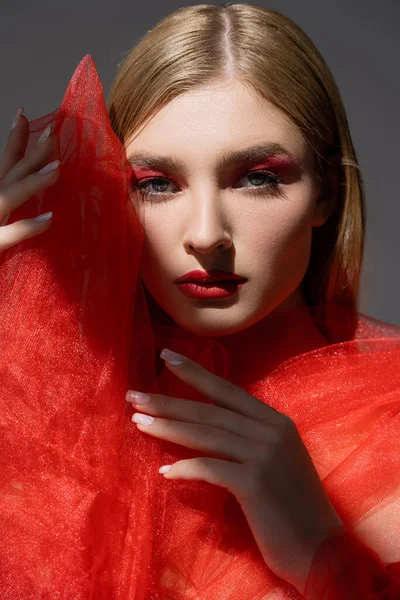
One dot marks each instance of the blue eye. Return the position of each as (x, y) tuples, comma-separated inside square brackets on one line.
[(270, 186), (142, 187)]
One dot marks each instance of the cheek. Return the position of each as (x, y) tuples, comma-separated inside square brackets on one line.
[(158, 246), (278, 230), (283, 236), (280, 234), (283, 239)]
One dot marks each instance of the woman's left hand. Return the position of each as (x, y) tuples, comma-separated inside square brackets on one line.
[(269, 469)]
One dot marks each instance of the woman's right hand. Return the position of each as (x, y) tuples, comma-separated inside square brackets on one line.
[(20, 179)]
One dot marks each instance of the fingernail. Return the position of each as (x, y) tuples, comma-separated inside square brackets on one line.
[(164, 469), (142, 419), (44, 217), (50, 167), (137, 397), (44, 135), (17, 116), (172, 357)]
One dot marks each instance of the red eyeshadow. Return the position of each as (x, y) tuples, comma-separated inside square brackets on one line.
[(282, 164), (141, 172), (276, 162)]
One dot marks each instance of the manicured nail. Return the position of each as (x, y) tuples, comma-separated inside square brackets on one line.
[(164, 469), (44, 135), (50, 167), (142, 419), (137, 397), (44, 217), (17, 116), (172, 357)]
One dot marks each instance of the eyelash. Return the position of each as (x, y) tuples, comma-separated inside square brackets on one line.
[(271, 188)]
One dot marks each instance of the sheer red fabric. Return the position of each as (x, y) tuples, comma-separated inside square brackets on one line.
[(84, 513)]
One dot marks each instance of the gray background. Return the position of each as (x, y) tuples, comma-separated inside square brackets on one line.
[(42, 42)]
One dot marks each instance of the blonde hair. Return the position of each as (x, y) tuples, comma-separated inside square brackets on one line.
[(201, 44)]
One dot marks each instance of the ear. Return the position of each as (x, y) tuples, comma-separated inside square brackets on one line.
[(326, 201)]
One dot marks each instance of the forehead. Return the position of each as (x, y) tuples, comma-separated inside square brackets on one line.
[(212, 120)]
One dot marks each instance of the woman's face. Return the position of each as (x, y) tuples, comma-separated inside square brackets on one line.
[(204, 205)]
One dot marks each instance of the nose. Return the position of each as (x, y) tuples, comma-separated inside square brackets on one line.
[(206, 229)]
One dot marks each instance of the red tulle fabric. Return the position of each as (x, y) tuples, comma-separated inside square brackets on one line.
[(84, 513)]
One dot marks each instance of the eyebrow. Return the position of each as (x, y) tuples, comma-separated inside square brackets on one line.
[(250, 154)]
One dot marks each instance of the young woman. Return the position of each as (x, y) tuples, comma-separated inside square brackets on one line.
[(216, 211)]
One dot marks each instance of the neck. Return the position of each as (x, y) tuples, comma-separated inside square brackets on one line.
[(287, 331)]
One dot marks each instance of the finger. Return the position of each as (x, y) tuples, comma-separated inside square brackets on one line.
[(38, 157), (20, 191), (190, 411), (197, 437), (217, 472), (17, 232), (16, 145), (219, 390)]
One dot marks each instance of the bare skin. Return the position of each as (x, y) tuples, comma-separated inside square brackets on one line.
[(211, 223), (265, 464), (20, 180), (204, 218)]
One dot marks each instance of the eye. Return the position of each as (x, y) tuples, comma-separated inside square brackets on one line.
[(263, 183), (143, 185)]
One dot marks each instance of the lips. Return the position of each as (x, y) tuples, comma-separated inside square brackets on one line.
[(216, 291), (213, 275)]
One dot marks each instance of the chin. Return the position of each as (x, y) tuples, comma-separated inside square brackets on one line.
[(216, 324), (210, 330)]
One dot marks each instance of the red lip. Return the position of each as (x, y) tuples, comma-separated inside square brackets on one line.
[(208, 276)]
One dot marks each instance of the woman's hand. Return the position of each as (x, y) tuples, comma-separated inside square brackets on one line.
[(266, 466), (20, 179)]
